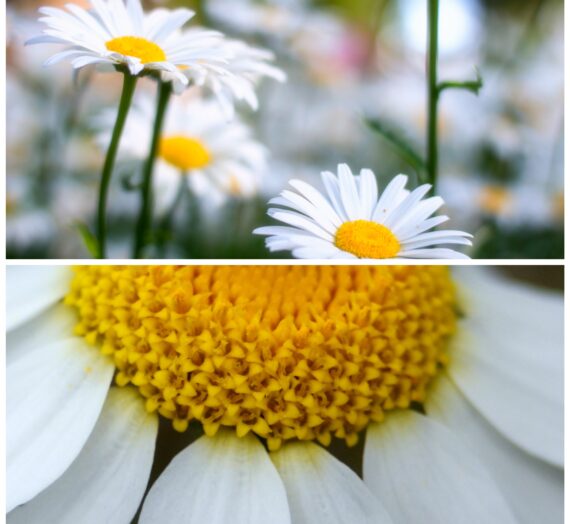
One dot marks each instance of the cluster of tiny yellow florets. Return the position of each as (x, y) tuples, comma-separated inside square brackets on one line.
[(287, 352), (135, 46)]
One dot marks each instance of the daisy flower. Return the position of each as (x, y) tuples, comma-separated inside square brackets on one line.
[(276, 20), (238, 80), (456, 379), (217, 158), (350, 221), (119, 33), (247, 65)]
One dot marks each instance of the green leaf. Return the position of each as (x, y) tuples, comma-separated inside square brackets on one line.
[(470, 85), (89, 239), (405, 149)]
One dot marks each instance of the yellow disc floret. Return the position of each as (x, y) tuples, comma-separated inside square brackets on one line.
[(286, 352), (367, 239), (137, 47), (495, 199), (184, 152)]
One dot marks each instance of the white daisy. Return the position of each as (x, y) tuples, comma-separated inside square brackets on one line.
[(119, 33), (328, 352), (217, 157), (352, 222), (238, 80), (275, 20)]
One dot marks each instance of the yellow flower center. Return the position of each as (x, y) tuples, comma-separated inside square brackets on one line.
[(141, 48), (367, 239), (184, 152), (286, 352), (494, 199)]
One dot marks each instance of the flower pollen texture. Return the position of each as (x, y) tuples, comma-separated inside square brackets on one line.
[(137, 47), (286, 352), (367, 239)]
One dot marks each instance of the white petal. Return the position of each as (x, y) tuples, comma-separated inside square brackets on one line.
[(433, 253), (330, 181), (102, 10), (320, 488), (90, 22), (54, 324), (30, 289), (136, 13), (300, 204), (508, 361), (119, 13), (174, 21), (423, 473), (439, 237), (406, 206), (83, 61), (349, 193), (54, 396), (283, 231), (45, 39), (107, 481), (408, 232), (296, 219), (279, 244), (62, 56), (218, 479), (389, 198), (316, 253), (317, 198), (421, 212), (368, 192), (533, 489)]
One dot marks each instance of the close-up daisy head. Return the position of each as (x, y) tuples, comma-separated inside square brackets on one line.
[(350, 220), (218, 159), (279, 381), (119, 33)]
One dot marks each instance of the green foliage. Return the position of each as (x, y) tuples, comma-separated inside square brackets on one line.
[(89, 239), (401, 143), (523, 242), (469, 85)]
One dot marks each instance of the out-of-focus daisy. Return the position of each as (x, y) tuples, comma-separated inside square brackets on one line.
[(350, 221), (119, 33), (238, 80), (516, 205), (272, 19), (457, 409), (217, 157)]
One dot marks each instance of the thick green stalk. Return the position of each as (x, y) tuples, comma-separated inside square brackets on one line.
[(129, 84), (433, 92), (145, 216)]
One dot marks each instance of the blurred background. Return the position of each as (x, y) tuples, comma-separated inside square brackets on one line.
[(355, 94)]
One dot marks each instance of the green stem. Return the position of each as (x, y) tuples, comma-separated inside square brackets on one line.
[(433, 92), (145, 216), (129, 84)]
